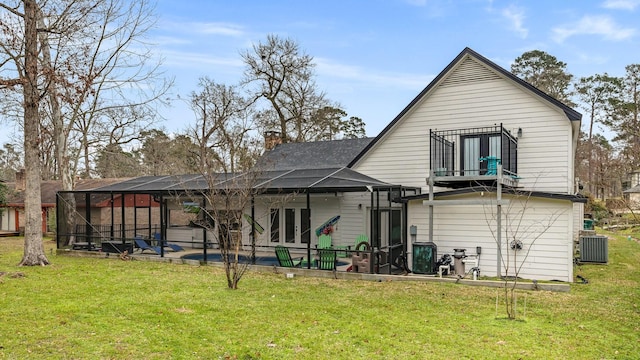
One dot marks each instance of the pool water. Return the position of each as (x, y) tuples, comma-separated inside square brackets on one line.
[(260, 260)]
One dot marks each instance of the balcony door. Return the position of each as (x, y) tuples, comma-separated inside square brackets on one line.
[(475, 147)]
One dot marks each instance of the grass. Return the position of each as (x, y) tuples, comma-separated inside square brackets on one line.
[(83, 308)]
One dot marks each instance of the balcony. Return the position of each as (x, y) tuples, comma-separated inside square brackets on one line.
[(473, 156)]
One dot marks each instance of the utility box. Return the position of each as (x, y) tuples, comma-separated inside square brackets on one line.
[(425, 255)]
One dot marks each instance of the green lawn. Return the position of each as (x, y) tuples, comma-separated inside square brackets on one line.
[(84, 308)]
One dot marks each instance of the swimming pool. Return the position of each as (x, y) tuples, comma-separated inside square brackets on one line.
[(260, 260)]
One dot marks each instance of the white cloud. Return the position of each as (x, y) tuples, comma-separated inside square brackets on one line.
[(197, 59), (217, 29), (203, 28), (594, 25), (516, 17), (621, 4), (327, 67), (417, 2)]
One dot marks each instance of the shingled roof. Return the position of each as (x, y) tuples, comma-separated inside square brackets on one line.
[(313, 155)]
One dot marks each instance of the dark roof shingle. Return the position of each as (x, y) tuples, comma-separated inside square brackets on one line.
[(313, 155)]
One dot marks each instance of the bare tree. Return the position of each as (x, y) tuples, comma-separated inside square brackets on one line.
[(515, 229), (283, 75), (223, 130), (92, 58), (26, 66)]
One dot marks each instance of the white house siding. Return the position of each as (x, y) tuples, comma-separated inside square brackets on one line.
[(323, 207), (478, 97), (353, 221), (550, 256)]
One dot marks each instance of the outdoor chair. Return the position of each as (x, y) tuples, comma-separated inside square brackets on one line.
[(144, 246), (164, 243), (324, 242), (362, 238), (284, 257), (327, 259)]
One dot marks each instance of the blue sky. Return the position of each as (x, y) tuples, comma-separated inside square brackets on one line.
[(374, 56)]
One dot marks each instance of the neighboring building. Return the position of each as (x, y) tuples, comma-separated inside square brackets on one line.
[(12, 214), (476, 151)]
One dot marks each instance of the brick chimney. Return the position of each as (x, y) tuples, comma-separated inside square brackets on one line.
[(271, 139), (21, 180)]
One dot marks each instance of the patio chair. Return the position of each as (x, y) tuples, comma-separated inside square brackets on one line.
[(164, 243), (284, 257), (144, 246), (324, 242), (327, 259)]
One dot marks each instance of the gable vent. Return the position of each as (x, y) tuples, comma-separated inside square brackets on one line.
[(468, 71)]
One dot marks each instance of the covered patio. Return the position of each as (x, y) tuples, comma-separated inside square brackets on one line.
[(181, 210)]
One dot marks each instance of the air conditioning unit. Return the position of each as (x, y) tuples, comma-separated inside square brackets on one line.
[(594, 249)]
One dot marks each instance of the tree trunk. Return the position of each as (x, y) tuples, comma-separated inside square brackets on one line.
[(60, 133), (33, 248)]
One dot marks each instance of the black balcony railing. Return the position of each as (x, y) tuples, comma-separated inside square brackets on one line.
[(473, 151)]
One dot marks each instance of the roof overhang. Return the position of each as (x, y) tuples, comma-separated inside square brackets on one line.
[(265, 182), (577, 198)]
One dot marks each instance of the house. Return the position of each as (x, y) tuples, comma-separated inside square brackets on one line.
[(12, 214), (480, 165), (631, 193), (475, 110)]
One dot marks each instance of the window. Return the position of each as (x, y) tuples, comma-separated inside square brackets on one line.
[(305, 226), (290, 225), (275, 225)]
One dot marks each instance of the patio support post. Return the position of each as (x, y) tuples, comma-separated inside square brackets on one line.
[(309, 242), (431, 174), (123, 222), (499, 221), (389, 224), (87, 215), (58, 221), (111, 232), (204, 231), (253, 229), (372, 223), (161, 214), (149, 216), (135, 216)]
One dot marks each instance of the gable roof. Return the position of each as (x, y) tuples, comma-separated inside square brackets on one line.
[(571, 114), (312, 155)]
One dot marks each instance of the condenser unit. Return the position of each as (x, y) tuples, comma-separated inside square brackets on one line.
[(594, 249)]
